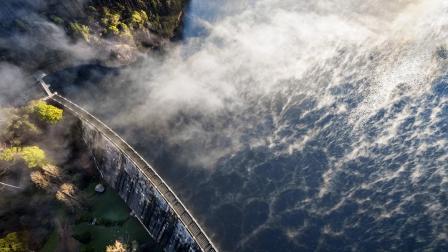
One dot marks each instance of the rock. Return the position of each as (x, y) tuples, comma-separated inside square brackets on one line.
[(99, 188), (120, 55)]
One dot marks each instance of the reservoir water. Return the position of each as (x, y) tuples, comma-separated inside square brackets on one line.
[(294, 126)]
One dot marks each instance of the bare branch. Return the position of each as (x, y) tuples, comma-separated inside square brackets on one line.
[(12, 186)]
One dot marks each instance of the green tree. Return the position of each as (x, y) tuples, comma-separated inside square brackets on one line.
[(13, 242), (80, 30), (48, 113), (19, 130), (112, 30), (138, 19), (124, 30), (32, 155)]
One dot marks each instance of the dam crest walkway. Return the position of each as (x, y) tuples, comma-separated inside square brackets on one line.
[(190, 223)]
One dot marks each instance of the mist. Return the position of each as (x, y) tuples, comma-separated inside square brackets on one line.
[(304, 125), (31, 41), (255, 51), (278, 116)]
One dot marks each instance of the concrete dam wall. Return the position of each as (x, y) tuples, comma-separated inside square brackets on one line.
[(152, 201)]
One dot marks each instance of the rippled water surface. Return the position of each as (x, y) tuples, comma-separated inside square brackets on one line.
[(297, 126)]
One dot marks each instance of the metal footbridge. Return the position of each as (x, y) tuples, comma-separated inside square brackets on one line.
[(192, 226)]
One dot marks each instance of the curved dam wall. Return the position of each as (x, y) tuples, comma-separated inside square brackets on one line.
[(152, 201), (138, 193)]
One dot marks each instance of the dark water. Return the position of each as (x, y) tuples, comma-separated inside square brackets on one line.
[(349, 155)]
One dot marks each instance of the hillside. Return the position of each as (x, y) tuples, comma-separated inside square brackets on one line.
[(53, 33)]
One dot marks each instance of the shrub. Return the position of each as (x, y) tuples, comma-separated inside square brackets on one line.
[(80, 30), (32, 155), (48, 113), (138, 18), (56, 20), (91, 9), (124, 29), (109, 18), (40, 180), (67, 194), (8, 154), (117, 247), (112, 30), (114, 19), (12, 242), (23, 124), (17, 127)]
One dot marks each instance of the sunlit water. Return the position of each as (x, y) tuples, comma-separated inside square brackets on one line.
[(296, 126)]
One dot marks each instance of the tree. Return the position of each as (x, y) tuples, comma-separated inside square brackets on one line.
[(12, 242), (40, 180), (117, 247), (80, 30), (32, 155), (138, 19), (68, 194), (48, 113), (17, 127)]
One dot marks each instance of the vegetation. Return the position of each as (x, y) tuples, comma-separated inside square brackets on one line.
[(124, 30), (118, 246), (40, 180), (138, 19), (123, 19), (20, 129), (32, 155), (48, 113), (57, 20), (65, 193), (79, 30), (13, 242), (113, 24), (22, 126)]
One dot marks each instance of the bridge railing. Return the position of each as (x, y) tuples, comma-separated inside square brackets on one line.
[(161, 186)]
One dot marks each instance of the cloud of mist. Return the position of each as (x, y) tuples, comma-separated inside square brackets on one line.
[(255, 51), (326, 114), (13, 84), (30, 40)]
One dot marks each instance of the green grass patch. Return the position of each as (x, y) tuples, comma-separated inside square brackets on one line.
[(51, 244), (107, 206), (97, 237), (113, 222)]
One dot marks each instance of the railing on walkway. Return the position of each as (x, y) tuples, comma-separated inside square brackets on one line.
[(168, 194)]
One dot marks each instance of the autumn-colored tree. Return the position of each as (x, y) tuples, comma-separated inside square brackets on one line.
[(68, 194), (118, 246), (40, 180)]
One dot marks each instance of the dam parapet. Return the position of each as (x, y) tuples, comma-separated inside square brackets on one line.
[(151, 200)]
